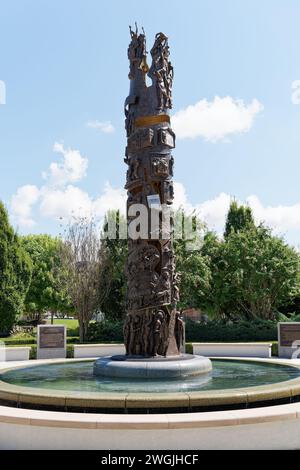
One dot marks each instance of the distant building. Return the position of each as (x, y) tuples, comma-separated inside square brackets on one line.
[(194, 315)]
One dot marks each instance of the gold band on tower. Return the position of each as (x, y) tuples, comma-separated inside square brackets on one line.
[(147, 121)]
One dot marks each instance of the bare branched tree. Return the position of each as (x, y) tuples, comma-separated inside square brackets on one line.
[(87, 269)]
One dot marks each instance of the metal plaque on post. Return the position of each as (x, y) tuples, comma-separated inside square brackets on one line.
[(288, 339), (51, 342)]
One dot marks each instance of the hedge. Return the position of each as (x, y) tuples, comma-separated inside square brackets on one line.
[(103, 332), (25, 342), (106, 332), (234, 332)]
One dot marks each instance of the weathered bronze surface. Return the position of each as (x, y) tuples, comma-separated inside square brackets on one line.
[(53, 337), (152, 327), (288, 334)]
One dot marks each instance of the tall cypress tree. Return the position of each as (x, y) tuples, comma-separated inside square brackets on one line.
[(238, 218), (15, 274)]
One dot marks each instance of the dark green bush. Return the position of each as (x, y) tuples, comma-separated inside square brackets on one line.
[(106, 332), (70, 351), (73, 339), (275, 348), (32, 354), (261, 330), (110, 332), (11, 341), (295, 317), (18, 342)]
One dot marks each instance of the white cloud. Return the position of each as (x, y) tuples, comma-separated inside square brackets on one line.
[(72, 169), (180, 197), (105, 127), (111, 198), (216, 120), (295, 92), (281, 218), (22, 203), (213, 211), (64, 203), (2, 92), (72, 201), (59, 199)]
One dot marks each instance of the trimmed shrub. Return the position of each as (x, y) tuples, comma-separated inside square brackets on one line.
[(275, 348), (106, 332), (261, 330)]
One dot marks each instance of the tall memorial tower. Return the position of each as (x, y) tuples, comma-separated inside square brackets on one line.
[(152, 327), (153, 330)]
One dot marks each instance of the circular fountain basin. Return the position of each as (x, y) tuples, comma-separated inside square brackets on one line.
[(71, 385), (183, 366)]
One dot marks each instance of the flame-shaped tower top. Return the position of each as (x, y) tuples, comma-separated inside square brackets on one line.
[(144, 101)]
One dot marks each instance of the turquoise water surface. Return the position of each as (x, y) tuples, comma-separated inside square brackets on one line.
[(78, 377)]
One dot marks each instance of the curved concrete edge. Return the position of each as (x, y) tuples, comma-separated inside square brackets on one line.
[(243, 396), (276, 427), (260, 429), (125, 367), (213, 419)]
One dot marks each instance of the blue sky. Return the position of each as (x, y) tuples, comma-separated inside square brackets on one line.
[(62, 139)]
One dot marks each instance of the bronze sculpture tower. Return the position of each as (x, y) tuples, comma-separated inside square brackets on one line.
[(153, 330), (152, 327)]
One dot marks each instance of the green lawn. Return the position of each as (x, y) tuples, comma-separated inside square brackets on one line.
[(70, 324)]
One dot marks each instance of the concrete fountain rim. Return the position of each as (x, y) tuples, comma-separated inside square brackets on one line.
[(129, 402), (135, 367)]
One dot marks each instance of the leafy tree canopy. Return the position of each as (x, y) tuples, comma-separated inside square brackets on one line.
[(15, 274), (45, 292), (253, 273)]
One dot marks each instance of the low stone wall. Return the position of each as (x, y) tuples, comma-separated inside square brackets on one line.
[(97, 350), (273, 427), (14, 354), (254, 429), (233, 349)]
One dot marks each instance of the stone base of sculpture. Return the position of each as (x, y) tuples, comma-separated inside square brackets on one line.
[(135, 367)]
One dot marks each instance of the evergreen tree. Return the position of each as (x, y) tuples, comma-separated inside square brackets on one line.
[(238, 218), (15, 274)]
